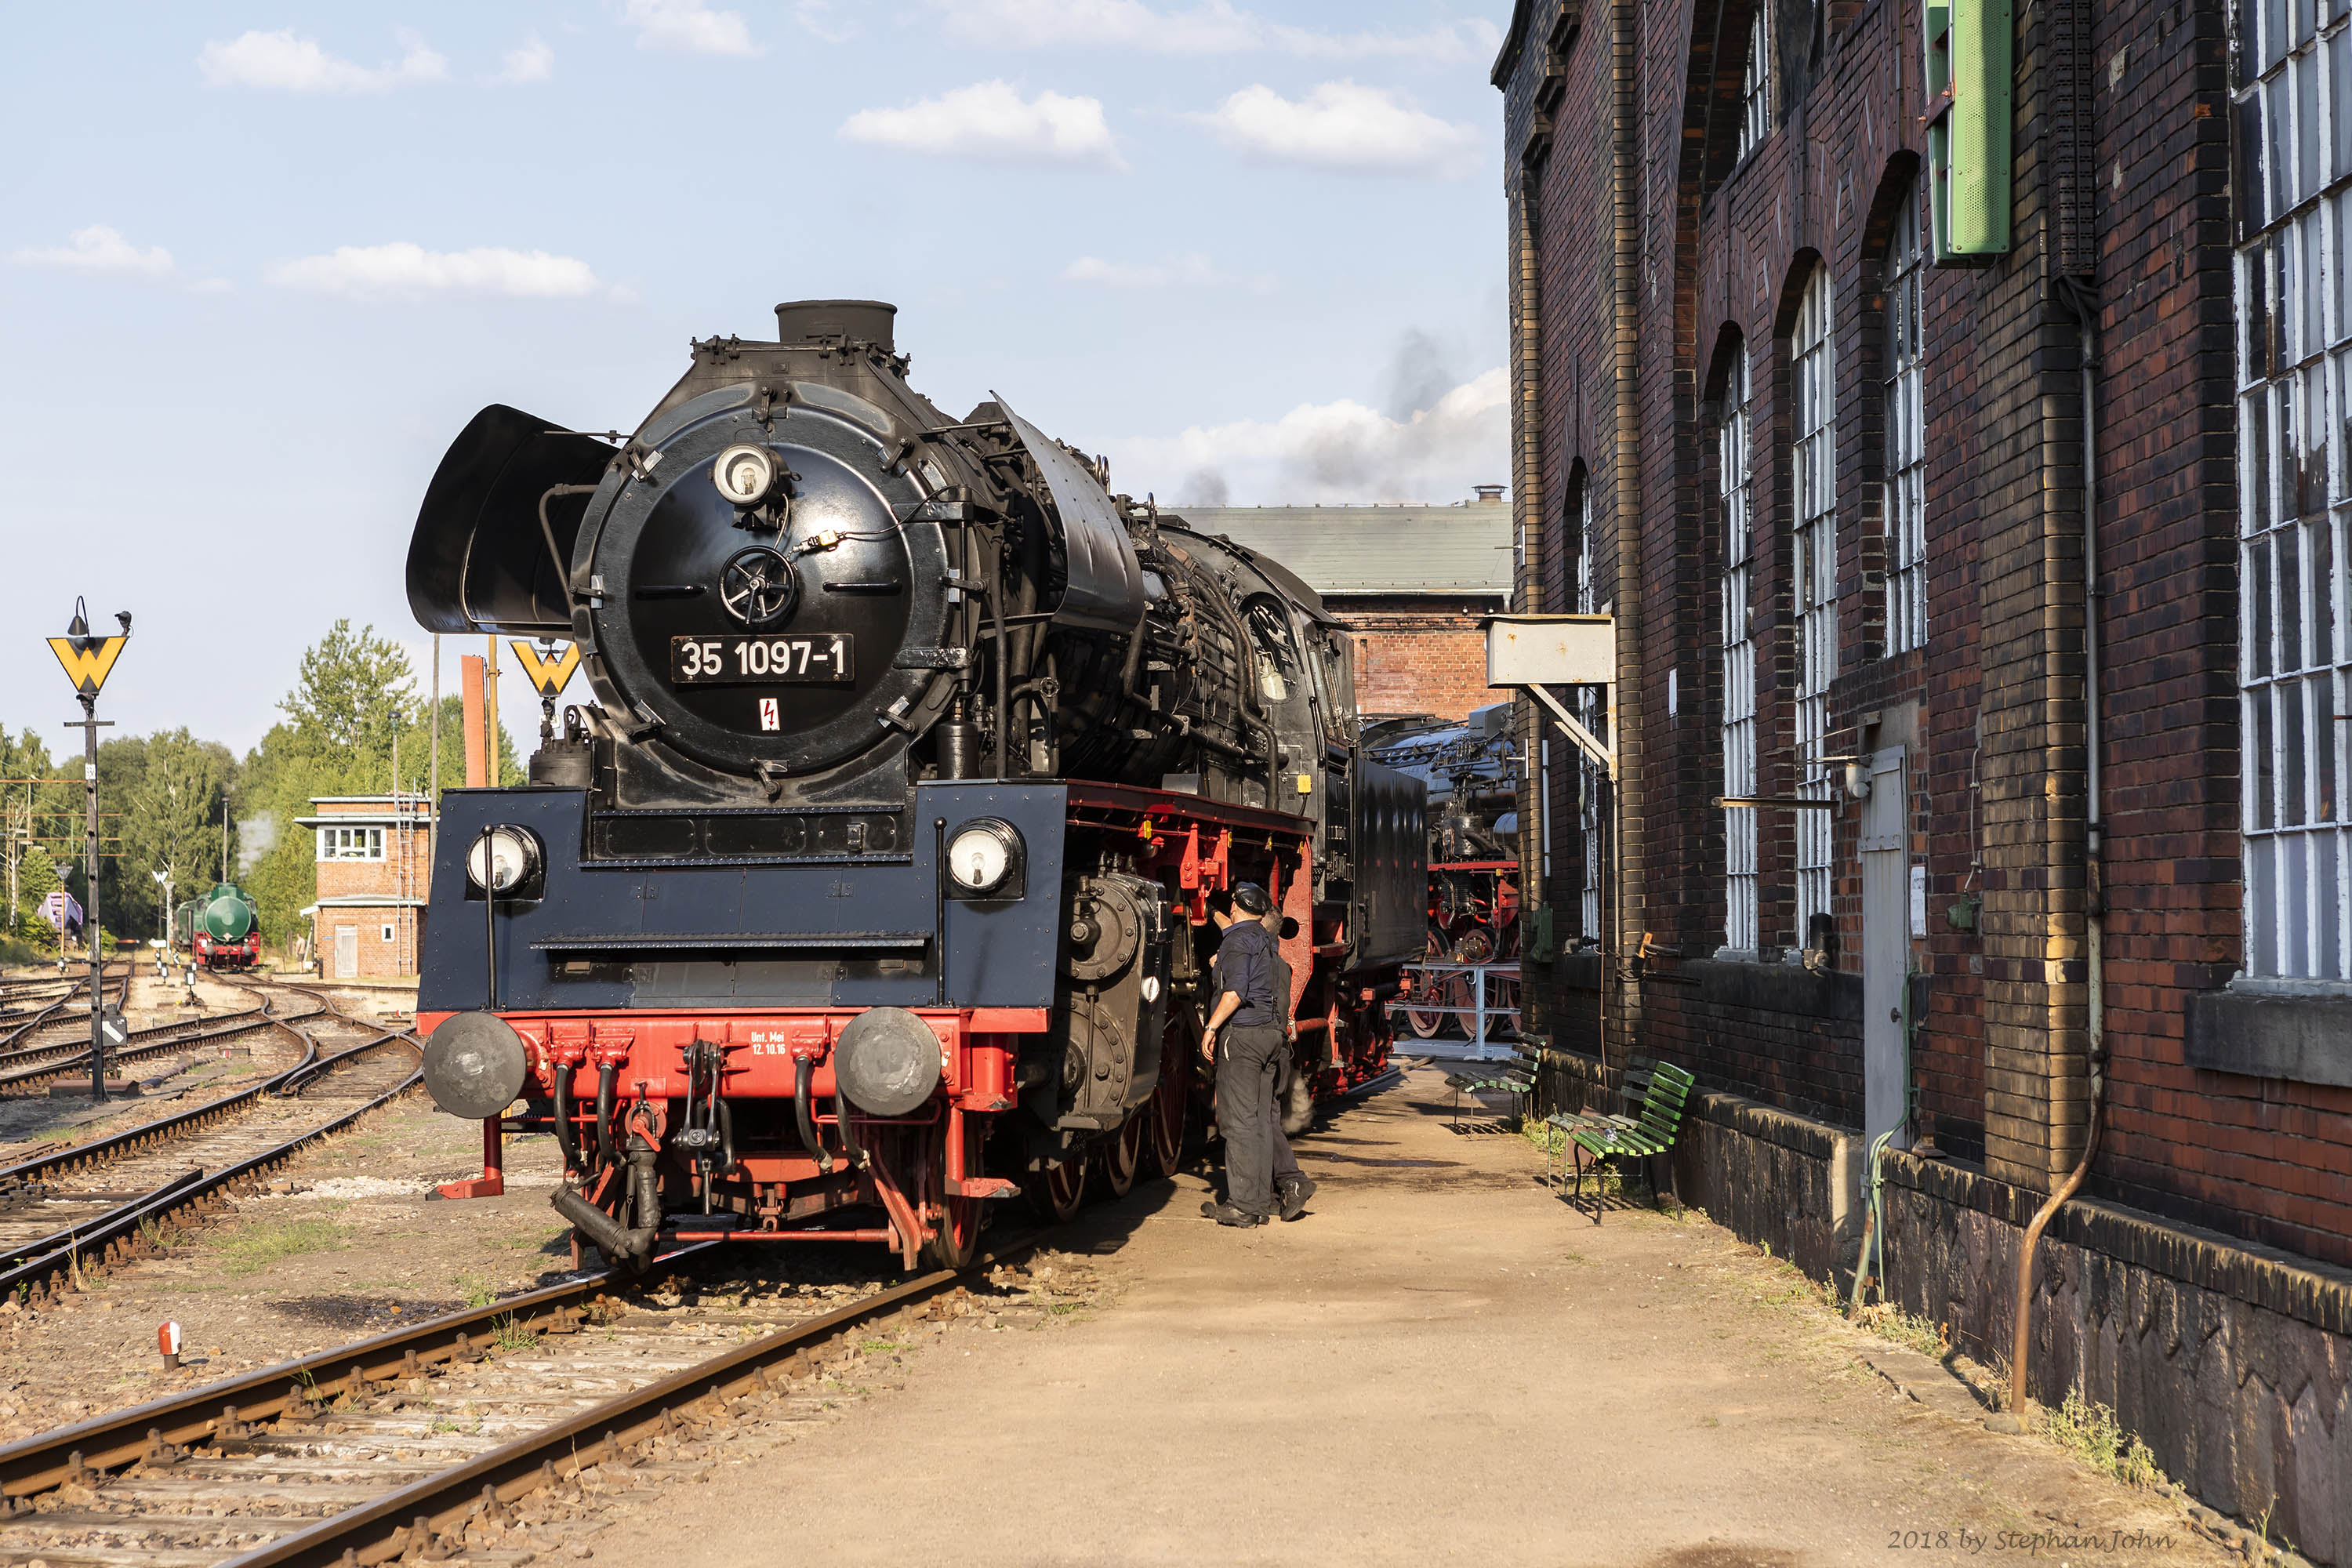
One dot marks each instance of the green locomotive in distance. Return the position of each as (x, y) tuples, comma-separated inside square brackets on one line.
[(221, 930)]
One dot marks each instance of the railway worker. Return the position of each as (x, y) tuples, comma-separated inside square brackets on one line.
[(1291, 1187), (1246, 1038)]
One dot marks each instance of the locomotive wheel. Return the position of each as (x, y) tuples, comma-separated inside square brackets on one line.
[(1122, 1151), (956, 1240), (1426, 1025), (1163, 1147), (1056, 1193)]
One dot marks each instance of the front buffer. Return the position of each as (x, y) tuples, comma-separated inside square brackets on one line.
[(778, 1048)]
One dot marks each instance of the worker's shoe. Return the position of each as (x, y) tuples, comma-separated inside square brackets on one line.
[(1225, 1214), (1293, 1195)]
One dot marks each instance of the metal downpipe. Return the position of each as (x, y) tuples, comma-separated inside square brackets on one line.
[(2081, 300)]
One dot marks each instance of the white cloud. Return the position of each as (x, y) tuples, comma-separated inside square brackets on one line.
[(688, 27), (1191, 270), (816, 17), (97, 249), (1210, 28), (281, 62), (1334, 452), (405, 271), (1340, 125), (534, 61), (990, 121)]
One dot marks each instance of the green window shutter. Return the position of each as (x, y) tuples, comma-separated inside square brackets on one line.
[(1539, 947), (1969, 89)]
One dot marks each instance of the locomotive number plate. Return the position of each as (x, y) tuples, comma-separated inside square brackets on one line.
[(762, 661)]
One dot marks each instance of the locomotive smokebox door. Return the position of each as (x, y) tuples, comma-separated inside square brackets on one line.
[(475, 1065), (888, 1061)]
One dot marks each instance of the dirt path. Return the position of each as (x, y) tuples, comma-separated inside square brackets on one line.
[(1439, 1364)]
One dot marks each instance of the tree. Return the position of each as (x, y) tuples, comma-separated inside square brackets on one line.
[(355, 693), (36, 879), (172, 823), (24, 757)]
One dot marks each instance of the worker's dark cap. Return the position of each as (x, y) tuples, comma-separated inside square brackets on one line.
[(1251, 898)]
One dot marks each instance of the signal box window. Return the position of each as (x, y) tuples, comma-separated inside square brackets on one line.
[(350, 844)]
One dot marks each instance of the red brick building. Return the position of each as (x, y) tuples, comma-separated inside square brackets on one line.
[(375, 859), (1410, 583), (2011, 596)]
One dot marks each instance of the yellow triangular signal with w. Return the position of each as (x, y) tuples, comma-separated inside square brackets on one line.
[(87, 666), (549, 673)]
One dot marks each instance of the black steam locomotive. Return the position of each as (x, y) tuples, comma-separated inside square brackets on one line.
[(873, 885)]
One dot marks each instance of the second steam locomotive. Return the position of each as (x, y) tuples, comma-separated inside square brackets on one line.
[(221, 930), (873, 886)]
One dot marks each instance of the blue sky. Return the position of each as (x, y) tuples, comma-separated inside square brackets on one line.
[(259, 264)]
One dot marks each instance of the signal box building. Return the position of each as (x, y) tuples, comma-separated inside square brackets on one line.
[(1410, 583), (1956, 425), (374, 862)]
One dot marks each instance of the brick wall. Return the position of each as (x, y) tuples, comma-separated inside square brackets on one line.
[(1417, 658), (1620, 168), (376, 956)]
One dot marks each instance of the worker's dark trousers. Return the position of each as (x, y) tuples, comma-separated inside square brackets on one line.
[(1256, 1154)]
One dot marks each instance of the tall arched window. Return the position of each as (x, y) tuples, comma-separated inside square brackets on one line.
[(1756, 80), (1738, 665), (2293, 202), (1906, 449), (1813, 373)]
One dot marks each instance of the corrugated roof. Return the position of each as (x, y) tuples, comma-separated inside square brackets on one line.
[(1374, 549)]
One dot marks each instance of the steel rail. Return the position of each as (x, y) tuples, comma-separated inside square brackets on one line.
[(385, 1527), (21, 1267), (132, 1140), (43, 1018), (126, 1220), (243, 1021), (410, 1518)]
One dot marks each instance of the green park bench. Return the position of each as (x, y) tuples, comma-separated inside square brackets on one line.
[(1653, 1094), (1516, 1078)]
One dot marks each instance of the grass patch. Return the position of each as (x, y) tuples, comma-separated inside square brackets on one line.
[(872, 1346), (2091, 1433), (1890, 1323), (263, 1245), (476, 1290), (512, 1335)]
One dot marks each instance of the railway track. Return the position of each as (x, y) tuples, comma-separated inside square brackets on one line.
[(57, 1012), (29, 1066), (89, 1203), (476, 1432)]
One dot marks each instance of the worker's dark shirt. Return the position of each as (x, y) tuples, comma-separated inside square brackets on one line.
[(1245, 967)]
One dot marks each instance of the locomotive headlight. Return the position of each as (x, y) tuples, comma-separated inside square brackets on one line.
[(503, 859), (983, 856), (746, 474)]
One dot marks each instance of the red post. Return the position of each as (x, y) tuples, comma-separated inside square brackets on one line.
[(492, 1182)]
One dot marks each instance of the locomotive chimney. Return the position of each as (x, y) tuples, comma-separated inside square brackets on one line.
[(806, 321)]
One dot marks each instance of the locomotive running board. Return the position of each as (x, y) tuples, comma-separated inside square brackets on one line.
[(878, 941)]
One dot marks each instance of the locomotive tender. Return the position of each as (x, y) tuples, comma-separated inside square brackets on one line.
[(873, 885)]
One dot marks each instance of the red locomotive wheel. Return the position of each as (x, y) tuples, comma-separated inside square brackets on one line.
[(1056, 1193), (955, 1242), (1122, 1151), (1163, 1147)]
